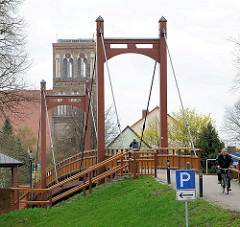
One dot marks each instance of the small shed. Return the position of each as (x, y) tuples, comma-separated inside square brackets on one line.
[(7, 195), (9, 162)]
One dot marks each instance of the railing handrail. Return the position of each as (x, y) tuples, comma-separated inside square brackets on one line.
[(81, 174), (88, 170), (75, 158)]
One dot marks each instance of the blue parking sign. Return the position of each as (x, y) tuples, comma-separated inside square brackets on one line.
[(185, 179)]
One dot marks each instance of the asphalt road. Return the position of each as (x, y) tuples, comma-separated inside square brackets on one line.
[(212, 191)]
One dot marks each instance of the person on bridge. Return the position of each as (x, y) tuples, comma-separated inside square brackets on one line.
[(223, 160), (134, 144)]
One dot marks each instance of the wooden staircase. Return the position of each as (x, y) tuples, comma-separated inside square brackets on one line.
[(136, 163)]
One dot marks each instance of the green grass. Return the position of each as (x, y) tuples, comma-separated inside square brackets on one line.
[(140, 202)]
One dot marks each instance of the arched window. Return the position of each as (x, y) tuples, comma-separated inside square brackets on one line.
[(71, 68), (58, 66), (65, 68), (79, 68), (85, 67), (92, 59)]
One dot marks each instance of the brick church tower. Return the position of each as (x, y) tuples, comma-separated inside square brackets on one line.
[(73, 62)]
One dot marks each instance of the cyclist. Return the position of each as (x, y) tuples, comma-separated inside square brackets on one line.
[(224, 160)]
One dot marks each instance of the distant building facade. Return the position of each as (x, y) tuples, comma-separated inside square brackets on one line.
[(73, 63), (128, 134), (153, 118), (73, 66)]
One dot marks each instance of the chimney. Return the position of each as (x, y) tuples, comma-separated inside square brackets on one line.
[(144, 113)]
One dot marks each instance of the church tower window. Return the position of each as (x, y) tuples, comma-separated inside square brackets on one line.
[(71, 68), (79, 68), (58, 66), (85, 67), (65, 68)]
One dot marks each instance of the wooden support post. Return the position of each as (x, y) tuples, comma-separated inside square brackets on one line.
[(100, 85), (17, 195), (38, 198), (28, 199), (121, 166), (179, 153), (43, 136), (12, 175), (84, 181), (155, 164), (50, 199), (134, 165), (163, 83), (15, 184), (191, 163), (90, 183), (199, 160)]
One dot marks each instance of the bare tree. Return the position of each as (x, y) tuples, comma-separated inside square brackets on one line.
[(231, 125), (111, 129), (72, 142), (13, 57), (236, 42)]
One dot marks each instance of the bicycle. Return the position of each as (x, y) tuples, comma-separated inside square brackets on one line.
[(225, 180)]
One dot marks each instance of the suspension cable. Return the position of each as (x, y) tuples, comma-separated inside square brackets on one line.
[(88, 110), (113, 97), (93, 118), (149, 97), (178, 90), (50, 134)]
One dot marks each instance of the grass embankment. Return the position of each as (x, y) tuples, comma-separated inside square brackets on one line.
[(140, 202)]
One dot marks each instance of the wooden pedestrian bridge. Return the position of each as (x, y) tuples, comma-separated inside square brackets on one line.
[(82, 171)]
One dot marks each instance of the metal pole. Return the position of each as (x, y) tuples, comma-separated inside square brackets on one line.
[(200, 184), (30, 160), (206, 166), (30, 173), (168, 172), (186, 213)]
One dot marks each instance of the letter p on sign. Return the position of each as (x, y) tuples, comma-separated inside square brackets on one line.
[(182, 178), (185, 179)]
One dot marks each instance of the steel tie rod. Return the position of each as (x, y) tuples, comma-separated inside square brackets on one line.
[(50, 136)]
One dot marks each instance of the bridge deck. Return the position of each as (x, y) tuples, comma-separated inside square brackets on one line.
[(211, 190)]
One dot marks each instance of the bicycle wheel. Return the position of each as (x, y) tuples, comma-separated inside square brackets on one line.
[(223, 184), (227, 185)]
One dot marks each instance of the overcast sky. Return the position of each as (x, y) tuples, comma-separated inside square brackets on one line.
[(198, 38)]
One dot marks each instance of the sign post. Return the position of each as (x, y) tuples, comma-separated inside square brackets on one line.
[(186, 190)]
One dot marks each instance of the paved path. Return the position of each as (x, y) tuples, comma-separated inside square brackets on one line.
[(212, 191)]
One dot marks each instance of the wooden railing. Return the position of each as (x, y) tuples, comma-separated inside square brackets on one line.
[(44, 194), (89, 177), (237, 169), (178, 158), (72, 165), (144, 162), (136, 163)]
